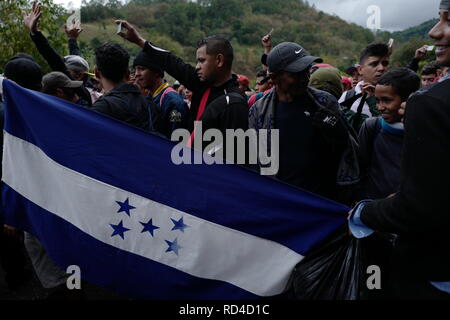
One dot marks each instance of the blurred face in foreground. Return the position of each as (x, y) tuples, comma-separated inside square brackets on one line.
[(441, 34)]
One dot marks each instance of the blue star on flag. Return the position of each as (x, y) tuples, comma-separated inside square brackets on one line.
[(148, 227), (125, 207), (179, 225), (119, 229), (173, 246)]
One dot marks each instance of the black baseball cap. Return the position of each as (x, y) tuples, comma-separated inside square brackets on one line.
[(290, 57), (53, 80)]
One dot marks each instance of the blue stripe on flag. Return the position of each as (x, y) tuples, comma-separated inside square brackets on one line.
[(96, 264)]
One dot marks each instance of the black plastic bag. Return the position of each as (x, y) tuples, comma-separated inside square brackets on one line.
[(335, 270)]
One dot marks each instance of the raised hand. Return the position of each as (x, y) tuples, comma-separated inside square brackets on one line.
[(421, 53), (130, 33), (368, 88), (267, 43), (73, 32), (31, 20)]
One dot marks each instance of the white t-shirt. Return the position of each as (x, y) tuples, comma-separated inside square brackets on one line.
[(355, 105)]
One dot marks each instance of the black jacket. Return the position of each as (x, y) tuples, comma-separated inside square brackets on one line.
[(125, 103), (420, 213), (413, 64), (220, 113), (56, 62)]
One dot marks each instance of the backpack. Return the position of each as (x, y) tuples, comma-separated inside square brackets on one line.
[(373, 126), (350, 98), (168, 89), (154, 112), (355, 119)]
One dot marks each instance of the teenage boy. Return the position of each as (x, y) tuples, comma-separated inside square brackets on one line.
[(359, 103), (170, 112), (381, 138)]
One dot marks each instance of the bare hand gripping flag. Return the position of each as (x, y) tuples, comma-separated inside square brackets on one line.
[(105, 196)]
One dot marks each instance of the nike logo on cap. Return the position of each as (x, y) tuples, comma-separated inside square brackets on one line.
[(297, 52)]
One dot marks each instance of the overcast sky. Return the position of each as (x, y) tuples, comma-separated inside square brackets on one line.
[(395, 14)]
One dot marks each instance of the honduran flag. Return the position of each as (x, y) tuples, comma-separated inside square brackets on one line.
[(106, 197)]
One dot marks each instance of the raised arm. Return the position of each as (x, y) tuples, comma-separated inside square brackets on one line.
[(72, 35), (31, 20), (418, 56), (172, 64)]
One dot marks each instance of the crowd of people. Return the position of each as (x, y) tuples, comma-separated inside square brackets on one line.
[(378, 133)]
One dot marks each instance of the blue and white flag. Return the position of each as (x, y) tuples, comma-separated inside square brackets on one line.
[(105, 196)]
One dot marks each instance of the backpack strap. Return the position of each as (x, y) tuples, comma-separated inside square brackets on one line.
[(373, 126), (168, 89), (350, 98)]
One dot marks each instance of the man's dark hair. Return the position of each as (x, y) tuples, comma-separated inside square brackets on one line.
[(261, 73), (25, 72), (218, 45), (403, 80), (112, 61), (22, 55), (375, 49), (431, 68)]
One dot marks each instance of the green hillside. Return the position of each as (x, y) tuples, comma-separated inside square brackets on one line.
[(420, 31), (177, 25)]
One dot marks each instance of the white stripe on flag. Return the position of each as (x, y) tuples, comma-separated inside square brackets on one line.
[(208, 250)]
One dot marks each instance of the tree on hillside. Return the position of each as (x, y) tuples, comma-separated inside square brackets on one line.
[(95, 10), (14, 34), (403, 55)]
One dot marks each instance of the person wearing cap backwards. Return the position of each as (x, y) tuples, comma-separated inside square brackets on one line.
[(170, 112), (312, 134), (74, 67), (216, 99), (419, 211), (59, 85)]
